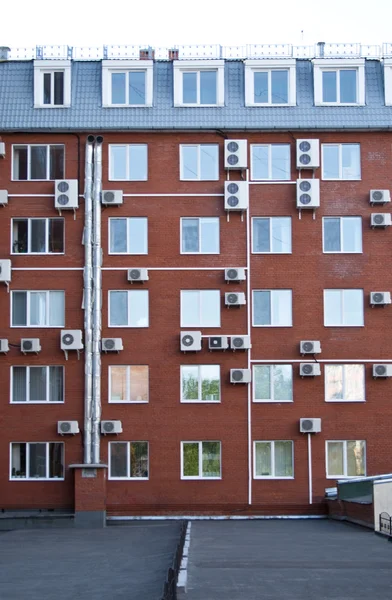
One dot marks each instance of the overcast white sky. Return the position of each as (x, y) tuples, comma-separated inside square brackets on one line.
[(161, 23)]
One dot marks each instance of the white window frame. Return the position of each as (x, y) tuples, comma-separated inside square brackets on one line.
[(128, 478), (127, 146), (28, 401), (342, 306), (29, 146), (272, 400), (266, 66), (198, 178), (200, 476), (126, 66), (388, 81), (11, 478), (272, 442), (200, 322), (344, 365), (270, 233), (192, 66), (341, 235), (28, 315), (128, 377), (29, 221), (338, 64), (129, 310), (128, 252), (200, 382), (253, 178), (344, 475), (340, 178), (271, 291), (51, 66), (200, 220)]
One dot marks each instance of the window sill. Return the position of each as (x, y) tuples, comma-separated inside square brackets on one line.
[(336, 477), (184, 478), (272, 180), (200, 401), (36, 478), (128, 326), (340, 252), (129, 180), (128, 478), (341, 325), (351, 104), (268, 105), (128, 402), (183, 179), (346, 401), (270, 477), (37, 253), (52, 106), (21, 403), (37, 181), (200, 325), (280, 326), (127, 105), (127, 253), (37, 327), (341, 179), (275, 253), (198, 105), (200, 253), (273, 401)]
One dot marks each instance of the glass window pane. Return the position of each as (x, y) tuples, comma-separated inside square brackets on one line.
[(19, 308), (329, 86), (189, 88), (190, 455), (139, 383), (283, 459), (18, 460), (56, 159), (47, 88), (353, 307), (332, 242), (280, 157), (38, 162), (210, 377), (262, 308), (20, 163), (263, 459), (281, 234), (354, 382), (118, 235), (138, 308), (331, 162), (137, 235), (38, 308), (37, 466), (210, 308), (355, 459), (283, 382), (211, 459), (207, 87), (138, 162), (189, 162), (56, 309), (56, 384), (19, 384), (281, 307), (118, 88), (56, 235), (118, 302), (333, 307), (261, 235), (260, 87), (333, 382), (190, 309), (119, 384), (335, 459), (260, 159), (279, 87), (351, 162), (118, 459), (262, 375), (56, 460), (190, 235), (209, 235), (20, 236), (190, 382), (352, 234), (38, 384), (137, 87), (209, 168), (118, 162), (348, 86), (139, 459), (38, 235), (58, 88)]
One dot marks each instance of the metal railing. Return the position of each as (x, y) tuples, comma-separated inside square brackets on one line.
[(386, 524), (170, 586)]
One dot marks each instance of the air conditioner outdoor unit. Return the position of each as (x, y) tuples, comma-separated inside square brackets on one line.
[(380, 298), (235, 274), (308, 154), (218, 342), (71, 339), (138, 275), (190, 341), (112, 197), (111, 427), (30, 345), (309, 369), (236, 155), (240, 342), (3, 197), (380, 220), (308, 193), (240, 376), (2, 150), (66, 194), (310, 425), (5, 270), (382, 371), (67, 427), (235, 298), (379, 196), (111, 344), (236, 195), (4, 346), (310, 347)]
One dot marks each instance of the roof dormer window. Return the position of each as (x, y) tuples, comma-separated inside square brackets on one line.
[(127, 83), (52, 83), (339, 82)]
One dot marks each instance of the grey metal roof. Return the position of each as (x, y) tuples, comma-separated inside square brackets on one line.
[(86, 112)]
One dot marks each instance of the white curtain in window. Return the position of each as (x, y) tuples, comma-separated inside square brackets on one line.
[(56, 309)]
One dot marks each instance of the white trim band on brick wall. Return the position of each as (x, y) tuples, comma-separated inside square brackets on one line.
[(169, 517), (323, 360)]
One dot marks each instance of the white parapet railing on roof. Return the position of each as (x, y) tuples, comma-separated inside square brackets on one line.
[(202, 52)]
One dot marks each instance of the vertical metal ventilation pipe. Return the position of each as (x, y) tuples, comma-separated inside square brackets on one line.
[(97, 300), (88, 298)]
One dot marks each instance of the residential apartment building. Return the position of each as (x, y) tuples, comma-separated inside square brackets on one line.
[(231, 352)]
